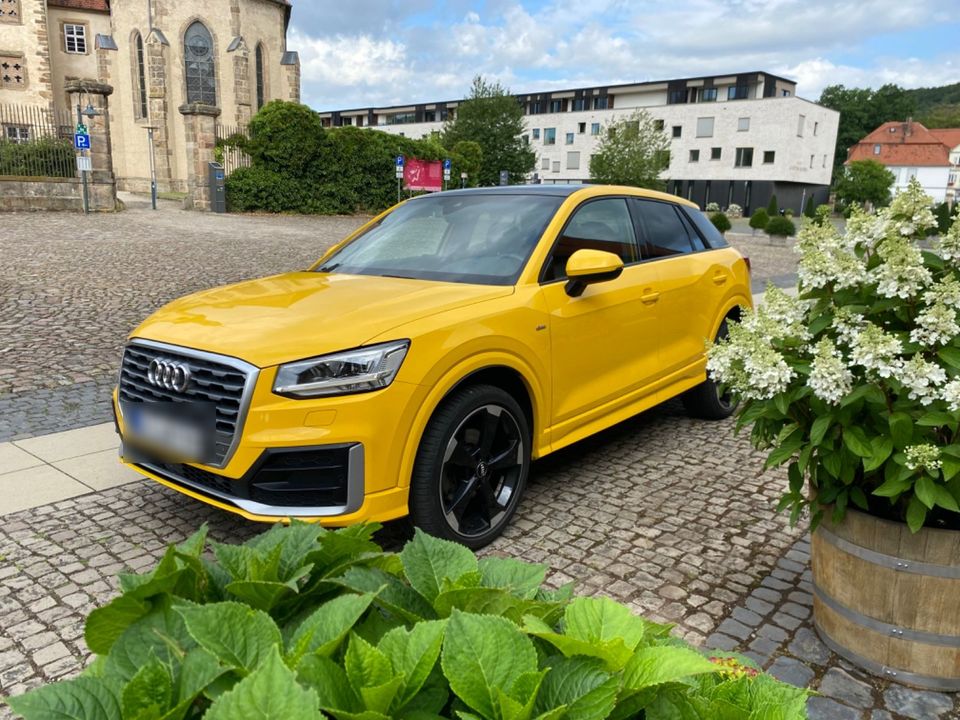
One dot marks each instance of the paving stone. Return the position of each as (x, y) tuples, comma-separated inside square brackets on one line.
[(773, 632), (764, 647), (761, 607), (821, 708), (791, 671), (719, 641), (747, 617), (880, 715), (808, 647), (917, 704), (842, 686), (735, 629), (786, 621), (798, 611)]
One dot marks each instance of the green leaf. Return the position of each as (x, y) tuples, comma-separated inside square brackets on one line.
[(819, 428), (856, 441), (614, 653), (833, 463), (82, 698), (270, 692), (881, 447), (413, 653), (582, 686), (599, 619), (162, 635), (926, 491), (660, 664), (916, 514), (858, 393), (149, 694), (105, 625), (198, 669), (330, 682), (392, 594), (892, 488), (427, 561), (519, 578), (484, 653), (945, 500), (296, 541), (795, 478), (901, 429), (365, 665), (326, 627), (950, 467), (239, 636), (936, 419), (950, 355)]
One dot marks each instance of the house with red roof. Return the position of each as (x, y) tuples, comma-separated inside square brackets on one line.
[(910, 150)]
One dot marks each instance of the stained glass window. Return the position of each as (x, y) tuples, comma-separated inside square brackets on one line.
[(199, 65), (259, 70)]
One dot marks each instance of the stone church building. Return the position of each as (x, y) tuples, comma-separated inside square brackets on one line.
[(174, 67)]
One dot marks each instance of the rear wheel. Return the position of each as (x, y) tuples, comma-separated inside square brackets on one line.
[(471, 467), (707, 400)]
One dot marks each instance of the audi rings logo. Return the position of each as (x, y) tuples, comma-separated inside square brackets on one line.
[(168, 374)]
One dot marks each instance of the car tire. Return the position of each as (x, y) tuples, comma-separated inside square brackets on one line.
[(706, 400), (471, 467)]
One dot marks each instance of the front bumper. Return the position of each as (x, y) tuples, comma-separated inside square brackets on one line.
[(357, 444)]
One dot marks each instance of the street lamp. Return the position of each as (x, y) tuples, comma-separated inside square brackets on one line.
[(153, 166)]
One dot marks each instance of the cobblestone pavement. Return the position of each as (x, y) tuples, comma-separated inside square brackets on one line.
[(72, 288), (665, 513)]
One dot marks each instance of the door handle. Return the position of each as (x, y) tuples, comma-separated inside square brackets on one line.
[(650, 297), (719, 278)]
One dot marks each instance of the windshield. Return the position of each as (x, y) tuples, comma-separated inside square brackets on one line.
[(467, 238)]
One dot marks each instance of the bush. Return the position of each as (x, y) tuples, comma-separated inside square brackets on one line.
[(822, 215), (808, 210), (712, 207), (46, 157), (773, 207), (944, 219), (720, 221), (759, 219), (781, 226), (301, 620), (734, 211)]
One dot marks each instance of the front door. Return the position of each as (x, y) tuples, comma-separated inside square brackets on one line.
[(604, 344)]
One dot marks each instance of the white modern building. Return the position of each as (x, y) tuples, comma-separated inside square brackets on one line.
[(734, 138), (910, 150)]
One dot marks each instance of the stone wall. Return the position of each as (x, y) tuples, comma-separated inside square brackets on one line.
[(35, 193), (26, 41)]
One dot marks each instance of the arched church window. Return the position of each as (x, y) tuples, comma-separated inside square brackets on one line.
[(199, 66), (141, 88), (259, 72)]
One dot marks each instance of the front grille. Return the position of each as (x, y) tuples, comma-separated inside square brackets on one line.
[(217, 383)]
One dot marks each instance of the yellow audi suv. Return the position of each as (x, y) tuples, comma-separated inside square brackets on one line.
[(422, 363)]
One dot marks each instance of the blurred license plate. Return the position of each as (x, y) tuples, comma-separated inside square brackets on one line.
[(176, 431)]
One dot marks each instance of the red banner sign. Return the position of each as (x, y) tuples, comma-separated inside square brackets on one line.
[(423, 175)]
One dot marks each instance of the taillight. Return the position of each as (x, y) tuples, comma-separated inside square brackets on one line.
[(747, 261)]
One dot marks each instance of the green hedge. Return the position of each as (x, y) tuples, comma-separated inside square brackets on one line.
[(299, 166), (720, 221), (305, 623), (781, 226), (46, 157)]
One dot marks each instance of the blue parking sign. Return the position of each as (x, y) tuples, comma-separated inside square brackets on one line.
[(446, 164), (399, 161), (81, 142)]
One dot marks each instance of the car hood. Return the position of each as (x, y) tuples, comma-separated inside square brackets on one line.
[(299, 315)]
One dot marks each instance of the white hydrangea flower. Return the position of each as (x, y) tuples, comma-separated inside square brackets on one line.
[(922, 379), (865, 229), (830, 378), (910, 212), (779, 316), (848, 324), (902, 273), (951, 395), (825, 258), (946, 292), (950, 242), (924, 456), (748, 363), (877, 351), (936, 325)]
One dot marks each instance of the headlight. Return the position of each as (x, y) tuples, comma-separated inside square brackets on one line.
[(351, 371)]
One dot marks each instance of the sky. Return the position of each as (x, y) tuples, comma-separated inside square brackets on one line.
[(358, 53)]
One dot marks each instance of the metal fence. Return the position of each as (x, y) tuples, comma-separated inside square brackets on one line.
[(36, 142), (228, 138)]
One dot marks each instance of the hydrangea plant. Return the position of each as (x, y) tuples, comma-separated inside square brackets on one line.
[(854, 383)]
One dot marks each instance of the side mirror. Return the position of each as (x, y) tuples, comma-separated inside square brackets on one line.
[(586, 267)]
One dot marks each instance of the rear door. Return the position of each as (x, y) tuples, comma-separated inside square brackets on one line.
[(692, 283), (603, 343)]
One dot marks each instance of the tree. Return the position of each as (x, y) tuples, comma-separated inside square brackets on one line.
[(861, 112), (759, 219), (781, 226), (865, 181), (773, 207), (808, 210), (470, 156), (493, 119), (632, 151), (720, 221)]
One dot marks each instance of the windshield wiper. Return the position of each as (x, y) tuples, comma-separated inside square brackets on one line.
[(329, 268)]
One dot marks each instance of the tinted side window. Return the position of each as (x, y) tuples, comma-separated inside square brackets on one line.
[(597, 225), (664, 231), (707, 229)]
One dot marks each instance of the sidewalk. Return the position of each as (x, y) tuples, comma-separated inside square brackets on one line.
[(49, 468)]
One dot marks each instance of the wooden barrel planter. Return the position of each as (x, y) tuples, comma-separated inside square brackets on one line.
[(888, 600)]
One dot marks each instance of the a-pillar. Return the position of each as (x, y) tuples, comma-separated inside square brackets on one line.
[(102, 190), (201, 133)]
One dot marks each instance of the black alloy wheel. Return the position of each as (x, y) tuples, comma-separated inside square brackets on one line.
[(472, 466)]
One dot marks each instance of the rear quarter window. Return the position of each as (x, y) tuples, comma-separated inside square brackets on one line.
[(707, 231)]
